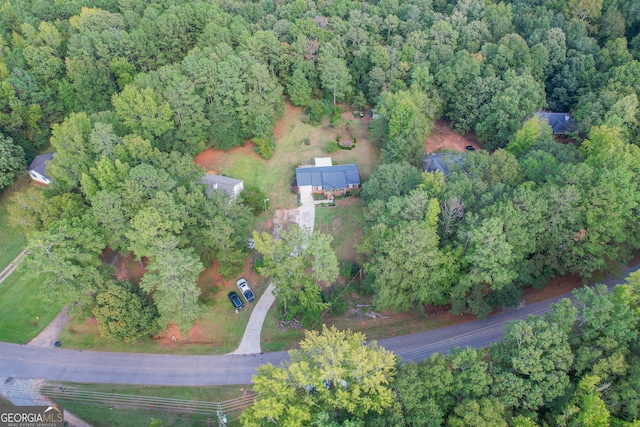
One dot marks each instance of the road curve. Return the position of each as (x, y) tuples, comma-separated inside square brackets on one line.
[(21, 361)]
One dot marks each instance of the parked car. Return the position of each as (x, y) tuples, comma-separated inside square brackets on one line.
[(235, 300), (245, 290), (469, 148)]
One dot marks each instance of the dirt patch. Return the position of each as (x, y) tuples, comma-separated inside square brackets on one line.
[(443, 137), (555, 287), (170, 337), (211, 160), (283, 219), (129, 268)]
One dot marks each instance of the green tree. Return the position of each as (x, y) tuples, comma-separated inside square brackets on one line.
[(143, 111), (287, 262), (333, 372), (299, 89), (25, 210), (74, 155), (491, 267), (587, 407), (263, 137), (171, 280), (11, 161), (532, 131), (410, 270), (393, 179), (124, 314), (335, 78), (487, 411), (68, 251), (531, 364)]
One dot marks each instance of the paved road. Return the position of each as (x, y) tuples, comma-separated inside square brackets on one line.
[(22, 361)]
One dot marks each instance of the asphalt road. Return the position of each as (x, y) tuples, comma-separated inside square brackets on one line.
[(20, 361)]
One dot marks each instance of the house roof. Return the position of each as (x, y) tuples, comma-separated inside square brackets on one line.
[(442, 162), (559, 122), (219, 182), (328, 177), (39, 164)]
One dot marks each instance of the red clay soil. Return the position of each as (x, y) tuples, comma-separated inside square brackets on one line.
[(443, 137), (210, 159), (129, 268), (557, 286)]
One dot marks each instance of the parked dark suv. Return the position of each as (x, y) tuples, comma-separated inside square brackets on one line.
[(235, 300)]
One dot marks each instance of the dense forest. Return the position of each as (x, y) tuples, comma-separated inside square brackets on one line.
[(126, 92)]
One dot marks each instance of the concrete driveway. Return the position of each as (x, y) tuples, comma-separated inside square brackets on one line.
[(307, 209)]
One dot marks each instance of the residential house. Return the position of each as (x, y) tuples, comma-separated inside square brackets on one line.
[(231, 186), (324, 178), (442, 162), (561, 123), (37, 168)]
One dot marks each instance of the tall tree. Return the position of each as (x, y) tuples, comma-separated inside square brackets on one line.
[(335, 78), (287, 262), (143, 112), (11, 161), (123, 313), (171, 280), (334, 372)]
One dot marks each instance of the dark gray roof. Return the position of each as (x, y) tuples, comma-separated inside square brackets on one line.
[(39, 164), (442, 162), (328, 177), (560, 122), (219, 182)]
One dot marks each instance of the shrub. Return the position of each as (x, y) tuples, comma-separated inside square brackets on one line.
[(331, 147), (124, 313), (318, 110), (258, 264), (365, 287), (355, 192), (253, 197), (334, 296), (231, 264)]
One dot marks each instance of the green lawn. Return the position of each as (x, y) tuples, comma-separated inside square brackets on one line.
[(218, 331), (11, 240), (344, 222), (95, 409), (23, 310), (274, 176), (273, 338)]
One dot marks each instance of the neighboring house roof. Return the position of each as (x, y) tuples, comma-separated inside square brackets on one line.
[(232, 186), (560, 122), (39, 165), (442, 162), (328, 177)]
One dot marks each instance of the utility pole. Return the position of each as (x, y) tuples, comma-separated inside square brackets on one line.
[(222, 418)]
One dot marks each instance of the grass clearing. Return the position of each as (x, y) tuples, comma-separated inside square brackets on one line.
[(274, 176), (23, 310), (344, 222), (218, 330), (98, 413), (11, 240), (275, 338)]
